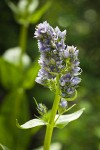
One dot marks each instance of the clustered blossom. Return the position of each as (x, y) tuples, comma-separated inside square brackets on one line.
[(57, 58)]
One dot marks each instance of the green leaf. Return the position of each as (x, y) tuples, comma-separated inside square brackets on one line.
[(15, 105), (12, 55), (9, 74), (54, 146), (32, 6), (31, 124), (3, 147), (38, 14), (30, 75), (25, 13), (63, 120), (27, 6)]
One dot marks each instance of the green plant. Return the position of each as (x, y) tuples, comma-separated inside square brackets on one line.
[(59, 72)]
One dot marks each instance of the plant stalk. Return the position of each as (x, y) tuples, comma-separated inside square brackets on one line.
[(22, 40), (50, 126), (23, 37)]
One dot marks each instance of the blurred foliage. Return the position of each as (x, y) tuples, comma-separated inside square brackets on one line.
[(3, 147), (18, 71), (54, 146)]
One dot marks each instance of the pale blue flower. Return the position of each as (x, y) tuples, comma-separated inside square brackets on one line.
[(57, 58)]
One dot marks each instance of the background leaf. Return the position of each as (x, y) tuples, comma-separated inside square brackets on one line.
[(30, 75), (54, 146), (27, 6), (13, 56), (15, 105), (38, 14), (9, 74), (3, 147)]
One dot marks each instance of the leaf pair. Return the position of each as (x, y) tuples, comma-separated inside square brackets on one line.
[(61, 122)]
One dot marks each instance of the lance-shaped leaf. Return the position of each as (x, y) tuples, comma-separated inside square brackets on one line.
[(3, 147), (31, 124), (63, 120)]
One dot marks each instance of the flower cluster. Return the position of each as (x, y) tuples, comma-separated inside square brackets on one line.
[(57, 58)]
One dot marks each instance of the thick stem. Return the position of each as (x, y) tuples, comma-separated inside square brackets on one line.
[(48, 136), (50, 126)]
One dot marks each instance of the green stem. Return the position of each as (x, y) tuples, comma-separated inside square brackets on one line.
[(23, 37), (22, 40), (50, 126)]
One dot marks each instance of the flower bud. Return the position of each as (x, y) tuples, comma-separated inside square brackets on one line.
[(62, 106), (42, 109), (63, 103)]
